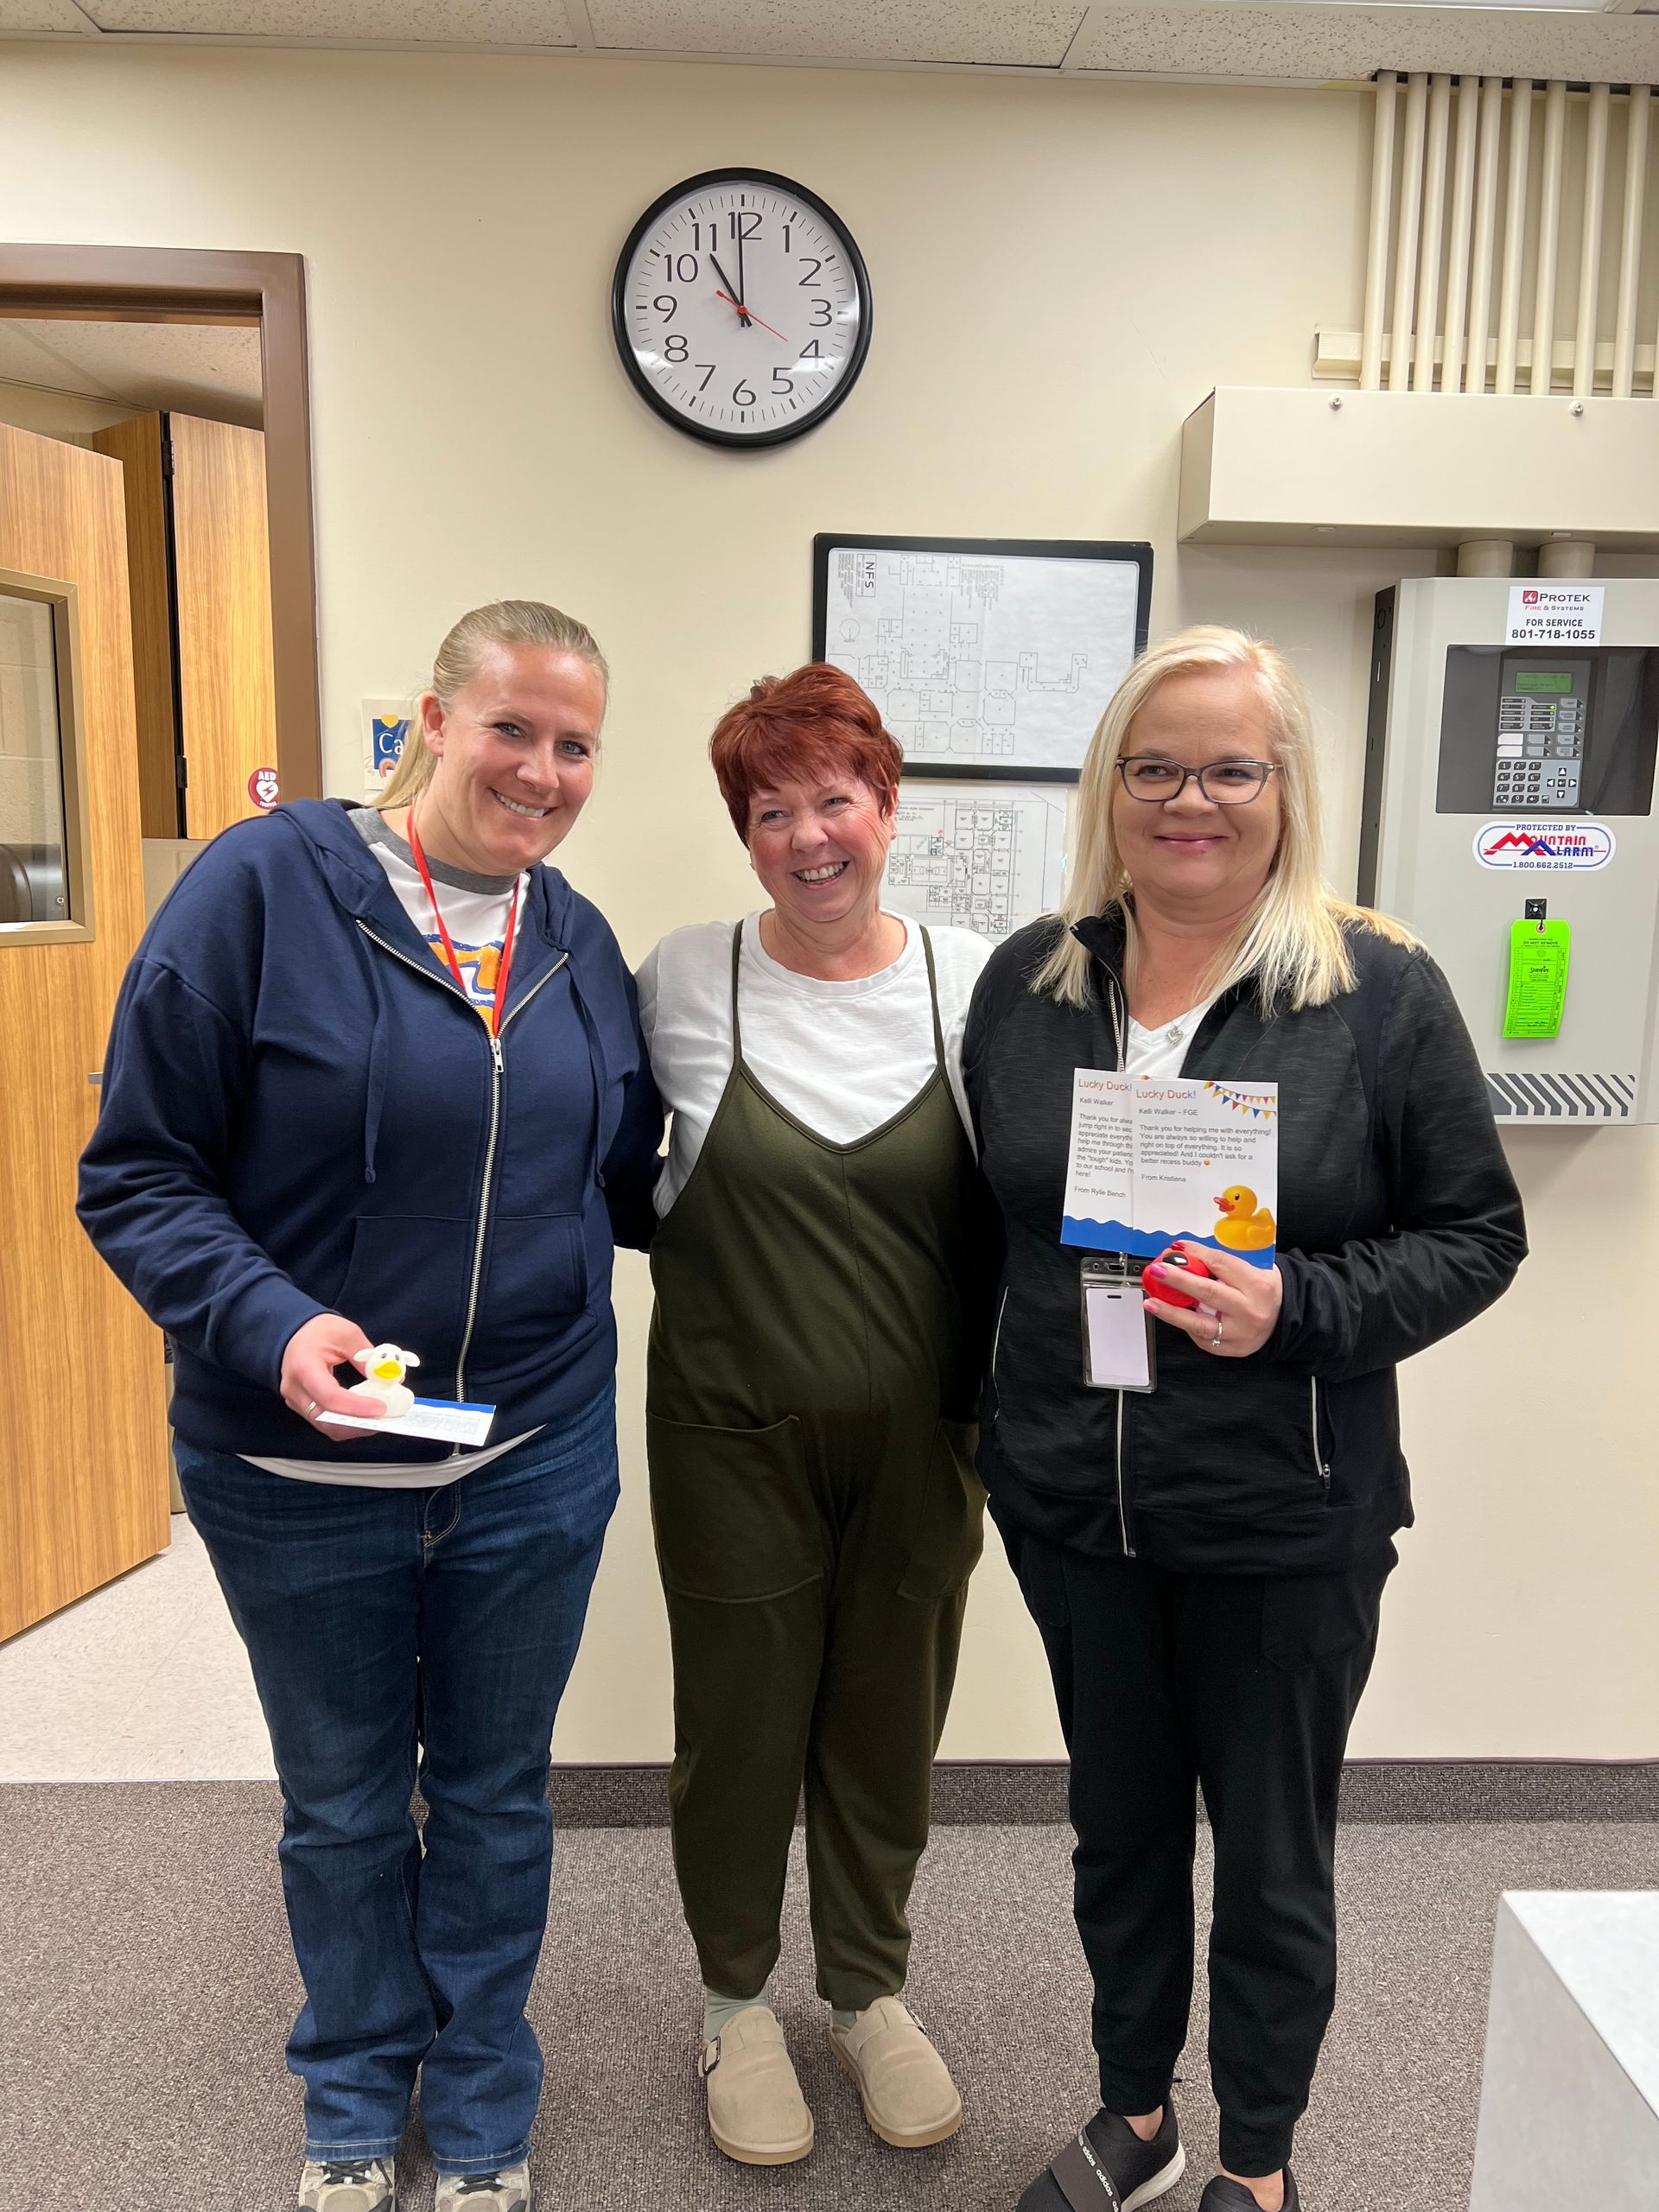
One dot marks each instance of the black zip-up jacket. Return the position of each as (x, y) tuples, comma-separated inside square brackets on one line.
[(1398, 1222)]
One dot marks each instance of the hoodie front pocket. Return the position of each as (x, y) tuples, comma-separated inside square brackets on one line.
[(538, 1282), (406, 1284)]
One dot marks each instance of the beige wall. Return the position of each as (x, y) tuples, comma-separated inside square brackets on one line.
[(1061, 272)]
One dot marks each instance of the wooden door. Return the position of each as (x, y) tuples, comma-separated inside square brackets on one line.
[(221, 600), (136, 444), (83, 1433)]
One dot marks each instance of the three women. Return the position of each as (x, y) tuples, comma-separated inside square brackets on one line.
[(1204, 1563)]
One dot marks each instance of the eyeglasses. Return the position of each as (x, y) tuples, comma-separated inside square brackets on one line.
[(1224, 783)]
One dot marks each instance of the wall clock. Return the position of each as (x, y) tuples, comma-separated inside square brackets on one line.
[(742, 308)]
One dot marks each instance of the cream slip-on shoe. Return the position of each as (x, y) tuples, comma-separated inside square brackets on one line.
[(909, 2097), (756, 2112)]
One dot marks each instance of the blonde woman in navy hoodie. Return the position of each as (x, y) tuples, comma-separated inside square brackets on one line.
[(377, 1075)]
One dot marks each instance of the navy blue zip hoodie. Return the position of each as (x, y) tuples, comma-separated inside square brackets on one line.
[(303, 1115)]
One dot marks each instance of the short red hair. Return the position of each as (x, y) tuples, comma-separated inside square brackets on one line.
[(811, 727)]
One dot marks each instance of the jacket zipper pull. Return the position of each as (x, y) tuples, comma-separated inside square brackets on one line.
[(495, 1049)]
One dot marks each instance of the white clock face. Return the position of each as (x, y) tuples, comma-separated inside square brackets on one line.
[(742, 309)]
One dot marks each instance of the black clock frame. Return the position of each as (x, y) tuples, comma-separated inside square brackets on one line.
[(642, 383)]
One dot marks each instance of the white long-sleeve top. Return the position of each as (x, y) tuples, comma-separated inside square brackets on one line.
[(841, 1057)]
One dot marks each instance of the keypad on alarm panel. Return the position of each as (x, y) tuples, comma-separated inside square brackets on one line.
[(1540, 753)]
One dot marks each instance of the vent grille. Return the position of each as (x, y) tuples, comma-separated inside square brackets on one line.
[(1576, 1097)]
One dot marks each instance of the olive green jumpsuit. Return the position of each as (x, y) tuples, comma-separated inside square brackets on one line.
[(814, 1369)]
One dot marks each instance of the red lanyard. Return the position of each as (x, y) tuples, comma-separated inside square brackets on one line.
[(504, 969)]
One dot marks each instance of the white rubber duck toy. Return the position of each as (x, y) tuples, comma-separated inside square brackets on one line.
[(384, 1368)]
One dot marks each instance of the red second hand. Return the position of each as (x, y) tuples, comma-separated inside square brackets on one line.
[(750, 315)]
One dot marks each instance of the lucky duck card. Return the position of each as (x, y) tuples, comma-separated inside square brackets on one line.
[(1154, 1158)]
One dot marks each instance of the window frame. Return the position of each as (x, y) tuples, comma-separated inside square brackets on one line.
[(63, 599)]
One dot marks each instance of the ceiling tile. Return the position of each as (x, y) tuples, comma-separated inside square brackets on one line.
[(454, 23), (1016, 32), (43, 15), (185, 366), (1351, 42)]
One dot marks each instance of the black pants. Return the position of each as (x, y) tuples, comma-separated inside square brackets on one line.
[(1242, 1686)]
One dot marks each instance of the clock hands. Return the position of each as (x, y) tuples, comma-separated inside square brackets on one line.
[(745, 315), (731, 287), (749, 316)]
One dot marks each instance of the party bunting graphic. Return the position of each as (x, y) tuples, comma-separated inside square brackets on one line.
[(1261, 1105)]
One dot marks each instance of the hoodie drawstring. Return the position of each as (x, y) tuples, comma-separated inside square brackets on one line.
[(378, 1052)]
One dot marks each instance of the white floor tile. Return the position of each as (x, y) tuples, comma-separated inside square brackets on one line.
[(146, 1679)]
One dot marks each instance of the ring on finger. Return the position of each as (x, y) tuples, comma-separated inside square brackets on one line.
[(1215, 1341), (312, 1407)]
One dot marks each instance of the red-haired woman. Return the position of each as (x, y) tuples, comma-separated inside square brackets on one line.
[(815, 1362)]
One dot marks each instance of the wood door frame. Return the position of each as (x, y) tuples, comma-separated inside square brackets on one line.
[(113, 283)]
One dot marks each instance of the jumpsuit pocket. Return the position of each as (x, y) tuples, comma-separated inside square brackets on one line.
[(732, 1509), (951, 1526)]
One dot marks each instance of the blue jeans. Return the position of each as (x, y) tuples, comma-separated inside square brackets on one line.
[(396, 1635)]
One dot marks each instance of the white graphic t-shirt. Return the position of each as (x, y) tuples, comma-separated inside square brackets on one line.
[(476, 907)]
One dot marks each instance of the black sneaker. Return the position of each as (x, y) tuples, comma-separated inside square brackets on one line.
[(1107, 2168), (1225, 2196)]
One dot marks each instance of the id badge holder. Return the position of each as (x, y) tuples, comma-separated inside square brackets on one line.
[(1118, 1344)]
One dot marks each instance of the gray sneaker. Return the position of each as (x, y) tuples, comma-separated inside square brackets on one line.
[(348, 2185), (506, 2190)]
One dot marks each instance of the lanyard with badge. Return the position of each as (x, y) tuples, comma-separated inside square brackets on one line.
[(500, 998)]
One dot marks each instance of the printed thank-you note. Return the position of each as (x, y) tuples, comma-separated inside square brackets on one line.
[(1155, 1158)]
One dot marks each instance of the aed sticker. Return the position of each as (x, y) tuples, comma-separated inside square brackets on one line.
[(262, 788), (1535, 847)]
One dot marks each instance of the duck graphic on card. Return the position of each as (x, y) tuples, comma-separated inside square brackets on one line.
[(1158, 1159)]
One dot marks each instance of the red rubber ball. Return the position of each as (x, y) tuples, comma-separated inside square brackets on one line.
[(1178, 1262)]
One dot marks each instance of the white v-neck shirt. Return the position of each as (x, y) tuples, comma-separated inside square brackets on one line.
[(842, 1058), (1161, 1052)]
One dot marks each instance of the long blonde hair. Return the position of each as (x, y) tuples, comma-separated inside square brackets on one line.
[(504, 622), (1292, 941)]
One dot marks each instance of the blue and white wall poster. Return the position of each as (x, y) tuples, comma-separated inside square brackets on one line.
[(385, 731)]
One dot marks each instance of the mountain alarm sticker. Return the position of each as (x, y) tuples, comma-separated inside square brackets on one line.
[(1538, 847)]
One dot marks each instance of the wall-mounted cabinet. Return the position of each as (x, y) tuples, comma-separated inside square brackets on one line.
[(1287, 466), (198, 557)]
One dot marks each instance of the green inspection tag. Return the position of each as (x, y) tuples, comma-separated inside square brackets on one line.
[(1538, 956)]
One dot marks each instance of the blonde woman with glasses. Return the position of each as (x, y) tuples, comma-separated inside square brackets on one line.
[(1205, 1561)]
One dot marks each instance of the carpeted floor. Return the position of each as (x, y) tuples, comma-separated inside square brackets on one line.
[(148, 1987)]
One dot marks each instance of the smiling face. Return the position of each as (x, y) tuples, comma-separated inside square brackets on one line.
[(820, 848), (515, 751), (1188, 857)]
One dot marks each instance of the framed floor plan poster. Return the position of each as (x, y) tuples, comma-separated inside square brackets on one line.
[(988, 858), (986, 657)]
